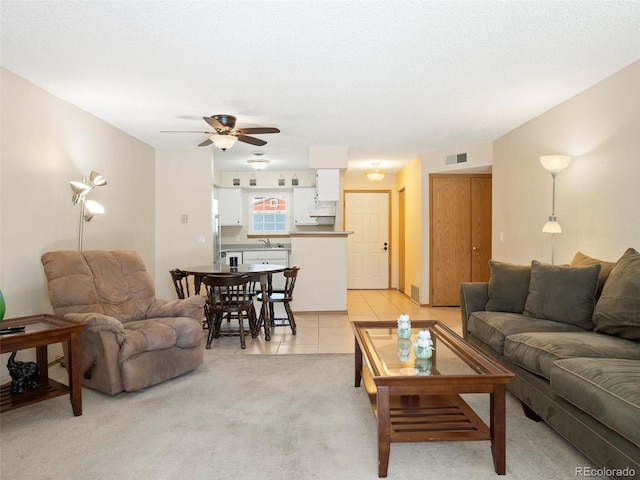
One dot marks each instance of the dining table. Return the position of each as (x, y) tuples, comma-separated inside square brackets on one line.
[(262, 270)]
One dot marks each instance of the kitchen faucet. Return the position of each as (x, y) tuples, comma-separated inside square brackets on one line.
[(267, 243)]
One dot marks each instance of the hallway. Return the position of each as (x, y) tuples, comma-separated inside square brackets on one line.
[(331, 333)]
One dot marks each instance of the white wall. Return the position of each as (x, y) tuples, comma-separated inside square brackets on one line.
[(597, 195), (45, 143), (184, 185)]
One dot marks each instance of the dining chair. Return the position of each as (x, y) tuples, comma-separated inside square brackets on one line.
[(282, 296), (181, 284), (228, 294)]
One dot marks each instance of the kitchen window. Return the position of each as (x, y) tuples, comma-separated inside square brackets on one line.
[(269, 213)]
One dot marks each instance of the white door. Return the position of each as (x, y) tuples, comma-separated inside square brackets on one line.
[(367, 216)]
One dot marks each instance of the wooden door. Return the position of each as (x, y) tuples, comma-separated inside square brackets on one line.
[(460, 230), (480, 228), (367, 216)]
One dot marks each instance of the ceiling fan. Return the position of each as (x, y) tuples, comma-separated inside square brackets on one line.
[(225, 133)]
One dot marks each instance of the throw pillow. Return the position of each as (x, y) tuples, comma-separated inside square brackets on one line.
[(618, 310), (582, 260), (562, 293), (508, 287)]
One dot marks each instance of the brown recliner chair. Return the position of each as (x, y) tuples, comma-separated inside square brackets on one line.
[(131, 340)]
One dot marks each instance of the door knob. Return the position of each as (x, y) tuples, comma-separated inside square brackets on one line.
[(385, 246), (475, 248)]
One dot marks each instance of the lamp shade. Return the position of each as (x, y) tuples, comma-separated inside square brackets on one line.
[(223, 141), (78, 189), (92, 209), (96, 179), (555, 163), (552, 227)]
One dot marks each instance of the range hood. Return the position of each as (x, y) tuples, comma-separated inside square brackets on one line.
[(324, 209)]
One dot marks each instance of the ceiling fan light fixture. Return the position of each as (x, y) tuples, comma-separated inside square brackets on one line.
[(376, 174), (223, 142)]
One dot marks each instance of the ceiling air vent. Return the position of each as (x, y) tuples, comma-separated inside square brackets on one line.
[(453, 159)]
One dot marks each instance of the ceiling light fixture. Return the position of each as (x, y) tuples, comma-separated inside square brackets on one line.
[(223, 141), (258, 163), (376, 174)]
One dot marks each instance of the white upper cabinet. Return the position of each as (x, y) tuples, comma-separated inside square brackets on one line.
[(304, 202), (328, 185), (230, 208)]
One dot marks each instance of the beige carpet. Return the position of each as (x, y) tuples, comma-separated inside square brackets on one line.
[(255, 417)]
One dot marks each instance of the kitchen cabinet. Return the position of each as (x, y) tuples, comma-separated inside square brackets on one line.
[(230, 207), (328, 185), (304, 202), (275, 257)]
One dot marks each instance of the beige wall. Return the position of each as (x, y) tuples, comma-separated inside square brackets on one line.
[(184, 183), (597, 195), (45, 143), (479, 160), (409, 179)]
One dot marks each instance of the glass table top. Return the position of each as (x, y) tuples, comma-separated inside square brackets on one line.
[(450, 356)]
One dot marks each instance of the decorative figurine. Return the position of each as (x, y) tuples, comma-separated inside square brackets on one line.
[(423, 365), (404, 349), (404, 326), (424, 344), (23, 374)]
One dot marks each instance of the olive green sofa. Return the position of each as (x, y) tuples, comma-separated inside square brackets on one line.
[(571, 335)]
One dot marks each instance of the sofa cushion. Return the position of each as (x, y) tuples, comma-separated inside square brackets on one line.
[(582, 260), (536, 351), (608, 389), (508, 287), (618, 310), (562, 293), (493, 327)]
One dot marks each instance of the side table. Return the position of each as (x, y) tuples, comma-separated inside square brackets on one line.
[(41, 331)]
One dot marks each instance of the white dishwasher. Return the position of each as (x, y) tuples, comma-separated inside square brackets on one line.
[(276, 257)]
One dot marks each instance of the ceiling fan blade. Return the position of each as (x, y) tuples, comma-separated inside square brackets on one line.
[(215, 123), (251, 140), (258, 130), (187, 131), (205, 143)]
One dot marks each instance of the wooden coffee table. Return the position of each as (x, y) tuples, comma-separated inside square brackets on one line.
[(418, 400), (40, 331)]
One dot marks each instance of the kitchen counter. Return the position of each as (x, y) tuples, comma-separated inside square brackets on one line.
[(327, 233), (245, 247), (322, 281)]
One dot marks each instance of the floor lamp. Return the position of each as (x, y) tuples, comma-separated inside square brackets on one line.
[(88, 208), (554, 164)]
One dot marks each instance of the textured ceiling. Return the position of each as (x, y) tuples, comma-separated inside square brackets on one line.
[(389, 79)]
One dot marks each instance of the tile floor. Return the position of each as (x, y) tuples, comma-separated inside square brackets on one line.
[(331, 333)]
